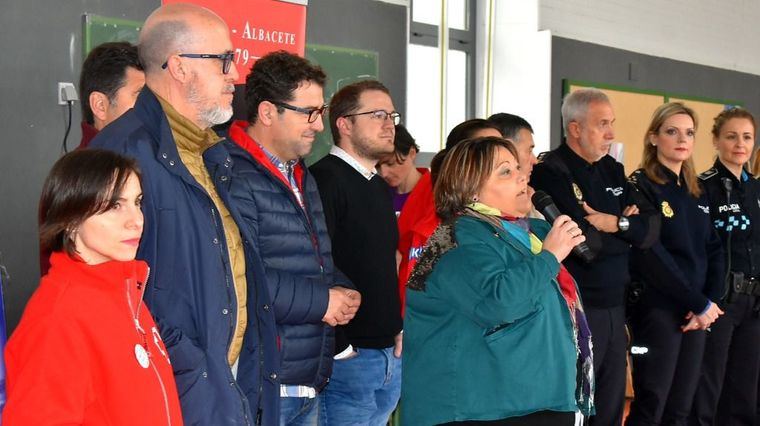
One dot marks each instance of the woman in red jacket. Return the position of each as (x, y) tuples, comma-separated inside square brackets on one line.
[(87, 350)]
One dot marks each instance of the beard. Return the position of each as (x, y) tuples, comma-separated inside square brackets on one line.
[(211, 114), (372, 149)]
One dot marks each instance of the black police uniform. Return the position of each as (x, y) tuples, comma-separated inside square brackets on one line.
[(727, 392), (681, 273), (570, 180)]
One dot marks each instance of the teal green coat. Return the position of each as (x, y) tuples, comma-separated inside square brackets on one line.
[(491, 336)]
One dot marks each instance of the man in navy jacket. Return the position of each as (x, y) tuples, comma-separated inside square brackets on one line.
[(281, 209), (205, 289)]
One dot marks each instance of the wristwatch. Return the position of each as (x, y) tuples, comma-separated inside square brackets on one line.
[(623, 223)]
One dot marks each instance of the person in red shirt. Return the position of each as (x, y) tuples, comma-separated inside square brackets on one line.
[(87, 350), (418, 219), (398, 169)]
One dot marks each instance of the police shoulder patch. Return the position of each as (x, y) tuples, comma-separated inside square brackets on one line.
[(707, 174), (542, 156), (635, 176)]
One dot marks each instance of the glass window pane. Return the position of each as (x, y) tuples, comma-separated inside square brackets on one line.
[(429, 12), (426, 11), (456, 89), (422, 96), (458, 14)]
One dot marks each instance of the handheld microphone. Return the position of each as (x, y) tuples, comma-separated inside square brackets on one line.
[(544, 203)]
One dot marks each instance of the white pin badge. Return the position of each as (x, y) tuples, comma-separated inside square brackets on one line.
[(142, 356)]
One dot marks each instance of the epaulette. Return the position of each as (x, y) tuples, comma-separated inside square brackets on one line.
[(634, 177), (707, 174), (540, 158)]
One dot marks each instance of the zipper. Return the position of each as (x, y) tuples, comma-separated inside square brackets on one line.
[(139, 329)]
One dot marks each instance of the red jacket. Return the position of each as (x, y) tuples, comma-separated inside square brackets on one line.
[(73, 358), (416, 224)]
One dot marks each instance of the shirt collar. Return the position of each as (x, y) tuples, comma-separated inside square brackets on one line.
[(573, 159), (668, 174), (724, 172), (286, 168), (343, 155)]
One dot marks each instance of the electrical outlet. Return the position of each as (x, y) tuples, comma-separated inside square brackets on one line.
[(66, 93)]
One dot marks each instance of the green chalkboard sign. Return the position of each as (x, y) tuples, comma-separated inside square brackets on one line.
[(100, 29), (343, 66)]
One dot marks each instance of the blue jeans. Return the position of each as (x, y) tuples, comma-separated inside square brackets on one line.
[(299, 411), (363, 390)]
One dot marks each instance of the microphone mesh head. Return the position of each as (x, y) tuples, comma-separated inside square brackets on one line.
[(541, 199)]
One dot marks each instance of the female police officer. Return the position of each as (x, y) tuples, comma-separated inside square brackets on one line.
[(682, 274), (727, 391)]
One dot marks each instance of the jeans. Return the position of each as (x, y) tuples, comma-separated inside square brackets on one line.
[(299, 411), (363, 390)]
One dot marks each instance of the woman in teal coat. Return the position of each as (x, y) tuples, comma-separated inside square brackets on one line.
[(494, 330)]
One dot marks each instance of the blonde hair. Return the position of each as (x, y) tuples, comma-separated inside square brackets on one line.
[(649, 161)]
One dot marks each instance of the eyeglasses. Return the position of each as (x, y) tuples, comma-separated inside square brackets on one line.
[(313, 113), (380, 114), (226, 58)]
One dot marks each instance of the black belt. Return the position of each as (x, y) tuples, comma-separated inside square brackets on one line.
[(750, 286)]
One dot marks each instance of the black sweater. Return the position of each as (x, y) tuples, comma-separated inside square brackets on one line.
[(362, 227), (684, 269), (571, 180)]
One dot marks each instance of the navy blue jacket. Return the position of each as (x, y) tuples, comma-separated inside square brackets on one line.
[(190, 291), (684, 270), (295, 248), (735, 219)]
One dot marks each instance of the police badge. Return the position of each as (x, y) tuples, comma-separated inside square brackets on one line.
[(667, 211), (578, 193)]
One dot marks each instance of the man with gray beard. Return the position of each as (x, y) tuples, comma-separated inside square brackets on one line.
[(212, 310)]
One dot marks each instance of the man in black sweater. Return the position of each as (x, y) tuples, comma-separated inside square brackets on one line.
[(366, 382), (590, 186)]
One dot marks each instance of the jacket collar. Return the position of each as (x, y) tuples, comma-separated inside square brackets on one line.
[(88, 134), (238, 134), (668, 174), (110, 272), (151, 115), (574, 161), (187, 136), (724, 172)]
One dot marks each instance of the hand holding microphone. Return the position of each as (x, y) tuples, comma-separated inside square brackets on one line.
[(563, 237), (561, 225)]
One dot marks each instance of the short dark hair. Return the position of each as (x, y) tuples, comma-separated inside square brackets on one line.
[(275, 76), (464, 171), (346, 101), (81, 184), (462, 131), (510, 125), (104, 70), (403, 143), (466, 129)]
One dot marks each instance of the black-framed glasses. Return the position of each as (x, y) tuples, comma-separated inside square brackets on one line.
[(381, 115), (226, 58), (313, 113)]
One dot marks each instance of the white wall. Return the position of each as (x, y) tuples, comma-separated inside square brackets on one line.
[(522, 66), (722, 34)]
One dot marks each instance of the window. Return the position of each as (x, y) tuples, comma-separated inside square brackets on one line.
[(423, 108)]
